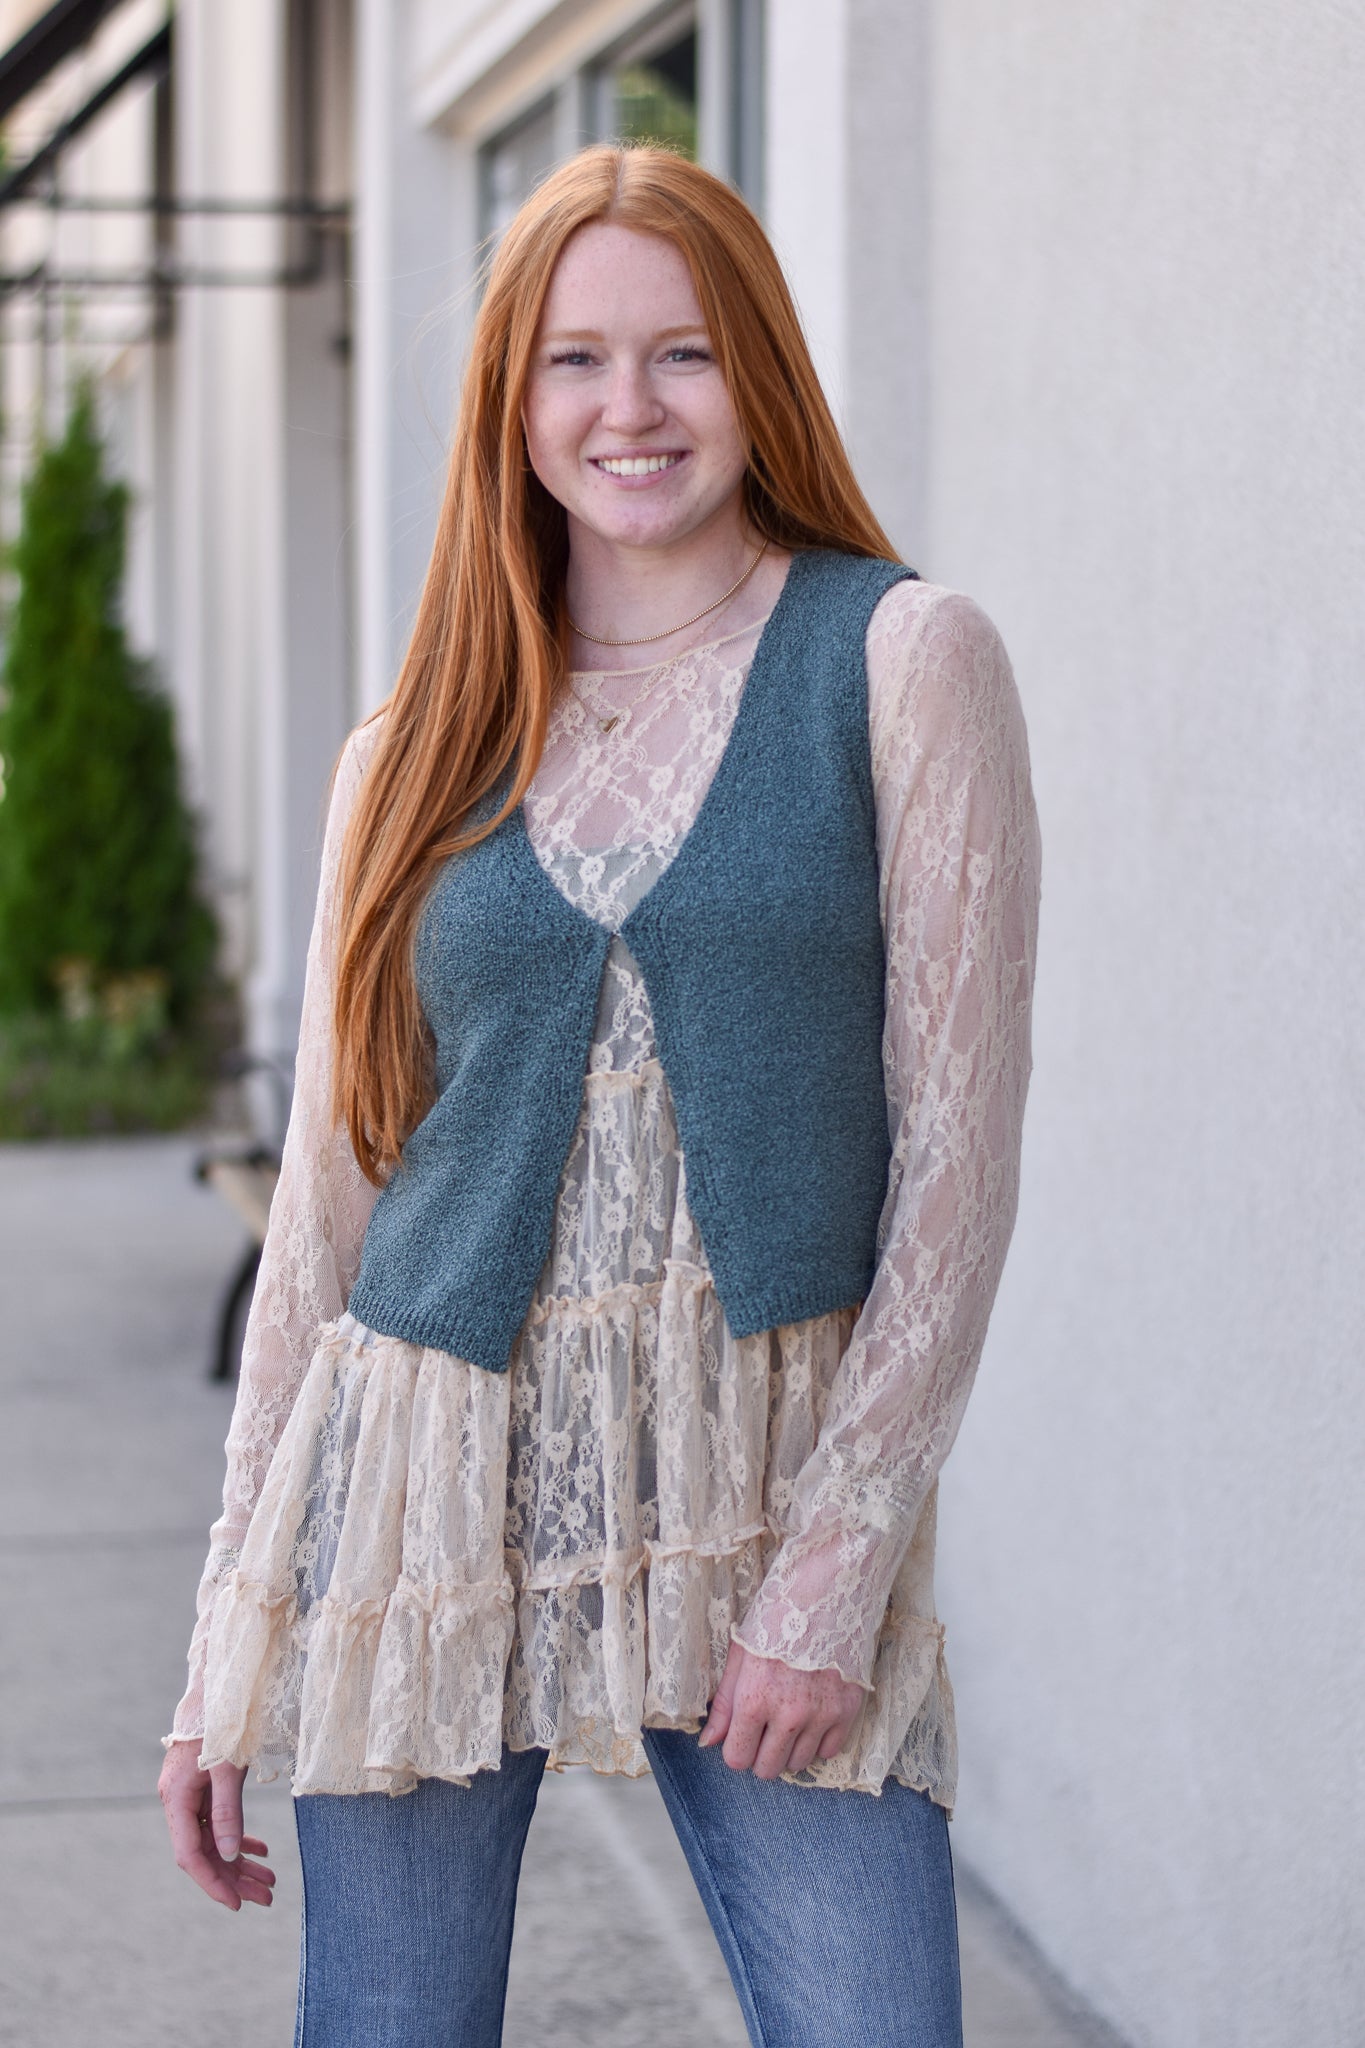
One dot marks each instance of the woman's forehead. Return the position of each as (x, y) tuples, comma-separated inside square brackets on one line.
[(605, 272)]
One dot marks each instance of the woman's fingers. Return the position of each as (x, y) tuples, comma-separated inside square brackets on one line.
[(779, 1736), (204, 1815), (226, 1810), (778, 1718), (765, 1706), (253, 1883), (807, 1745), (717, 1723), (722, 1706), (194, 1852), (743, 1737)]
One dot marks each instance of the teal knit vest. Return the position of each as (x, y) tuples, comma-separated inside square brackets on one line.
[(761, 950)]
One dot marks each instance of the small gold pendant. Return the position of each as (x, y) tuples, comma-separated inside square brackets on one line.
[(608, 723)]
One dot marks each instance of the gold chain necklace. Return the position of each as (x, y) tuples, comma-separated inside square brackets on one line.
[(599, 640), (606, 724)]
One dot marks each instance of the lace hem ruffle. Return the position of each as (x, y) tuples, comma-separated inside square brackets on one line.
[(362, 1699), (379, 1627)]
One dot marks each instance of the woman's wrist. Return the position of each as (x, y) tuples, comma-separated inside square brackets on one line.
[(796, 1662)]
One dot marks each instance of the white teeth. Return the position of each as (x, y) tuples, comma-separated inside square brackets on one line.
[(636, 465)]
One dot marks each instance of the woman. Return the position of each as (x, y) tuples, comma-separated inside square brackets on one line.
[(651, 1168)]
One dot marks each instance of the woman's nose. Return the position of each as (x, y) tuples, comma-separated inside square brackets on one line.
[(631, 403)]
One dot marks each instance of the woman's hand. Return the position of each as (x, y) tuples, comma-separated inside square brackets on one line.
[(204, 1814), (773, 1718)]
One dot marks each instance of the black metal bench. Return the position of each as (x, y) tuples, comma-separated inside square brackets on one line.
[(245, 1177), (246, 1181)]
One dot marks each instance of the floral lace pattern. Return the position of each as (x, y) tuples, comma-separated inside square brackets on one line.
[(417, 1560)]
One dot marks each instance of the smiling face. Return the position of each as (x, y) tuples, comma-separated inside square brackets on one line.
[(628, 421)]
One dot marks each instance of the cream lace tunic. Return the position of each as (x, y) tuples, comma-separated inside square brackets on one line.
[(418, 1560)]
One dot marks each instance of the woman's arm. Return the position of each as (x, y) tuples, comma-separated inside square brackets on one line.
[(960, 858), (312, 1248)]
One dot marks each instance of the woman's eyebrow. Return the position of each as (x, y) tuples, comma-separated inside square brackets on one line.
[(595, 334)]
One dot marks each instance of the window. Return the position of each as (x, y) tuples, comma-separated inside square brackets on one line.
[(688, 77), (647, 90), (744, 141), (513, 164)]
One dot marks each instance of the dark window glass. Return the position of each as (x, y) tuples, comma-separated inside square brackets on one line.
[(653, 98), (512, 165)]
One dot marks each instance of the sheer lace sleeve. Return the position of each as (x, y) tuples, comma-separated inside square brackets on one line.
[(318, 1217), (960, 858)]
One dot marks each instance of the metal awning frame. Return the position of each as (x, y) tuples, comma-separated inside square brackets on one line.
[(54, 37), (154, 56), (47, 42), (172, 276)]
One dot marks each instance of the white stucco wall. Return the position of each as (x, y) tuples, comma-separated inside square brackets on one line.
[(1081, 283), (805, 174), (1148, 462)]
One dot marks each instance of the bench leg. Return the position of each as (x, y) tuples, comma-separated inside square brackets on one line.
[(227, 1356)]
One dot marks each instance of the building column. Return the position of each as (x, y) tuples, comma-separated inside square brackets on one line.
[(262, 505), (846, 202), (409, 204), (228, 668)]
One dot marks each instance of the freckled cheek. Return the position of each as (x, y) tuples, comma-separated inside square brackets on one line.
[(716, 433), (555, 436)]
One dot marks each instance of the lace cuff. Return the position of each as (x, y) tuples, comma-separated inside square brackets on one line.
[(823, 1597), (187, 1723), (778, 1628)]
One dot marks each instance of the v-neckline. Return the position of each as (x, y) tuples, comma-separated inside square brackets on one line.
[(745, 712)]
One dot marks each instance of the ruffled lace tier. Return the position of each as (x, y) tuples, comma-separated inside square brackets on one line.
[(402, 1605)]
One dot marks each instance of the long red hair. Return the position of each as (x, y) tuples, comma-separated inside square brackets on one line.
[(488, 649)]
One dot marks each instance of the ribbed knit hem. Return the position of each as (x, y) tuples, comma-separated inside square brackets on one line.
[(795, 1301), (433, 1330), (747, 1315)]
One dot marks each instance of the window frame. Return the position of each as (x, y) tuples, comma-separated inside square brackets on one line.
[(731, 84)]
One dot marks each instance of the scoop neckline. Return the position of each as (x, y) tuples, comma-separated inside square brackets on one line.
[(713, 796), (755, 626)]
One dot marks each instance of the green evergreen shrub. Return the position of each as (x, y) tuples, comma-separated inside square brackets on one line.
[(106, 944)]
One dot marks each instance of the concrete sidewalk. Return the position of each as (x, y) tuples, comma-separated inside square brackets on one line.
[(111, 1261)]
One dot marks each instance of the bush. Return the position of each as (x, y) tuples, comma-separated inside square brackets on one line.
[(106, 945), (97, 853), (61, 1078)]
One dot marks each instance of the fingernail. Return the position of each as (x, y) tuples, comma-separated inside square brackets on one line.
[(228, 1845)]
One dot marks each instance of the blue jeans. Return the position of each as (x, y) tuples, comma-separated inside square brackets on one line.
[(835, 1911)]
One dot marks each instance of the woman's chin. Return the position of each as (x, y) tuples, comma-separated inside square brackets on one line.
[(642, 525)]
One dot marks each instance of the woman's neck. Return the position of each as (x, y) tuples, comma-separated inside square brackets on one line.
[(658, 601)]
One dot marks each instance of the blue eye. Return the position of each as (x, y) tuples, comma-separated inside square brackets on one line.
[(689, 354), (570, 355)]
